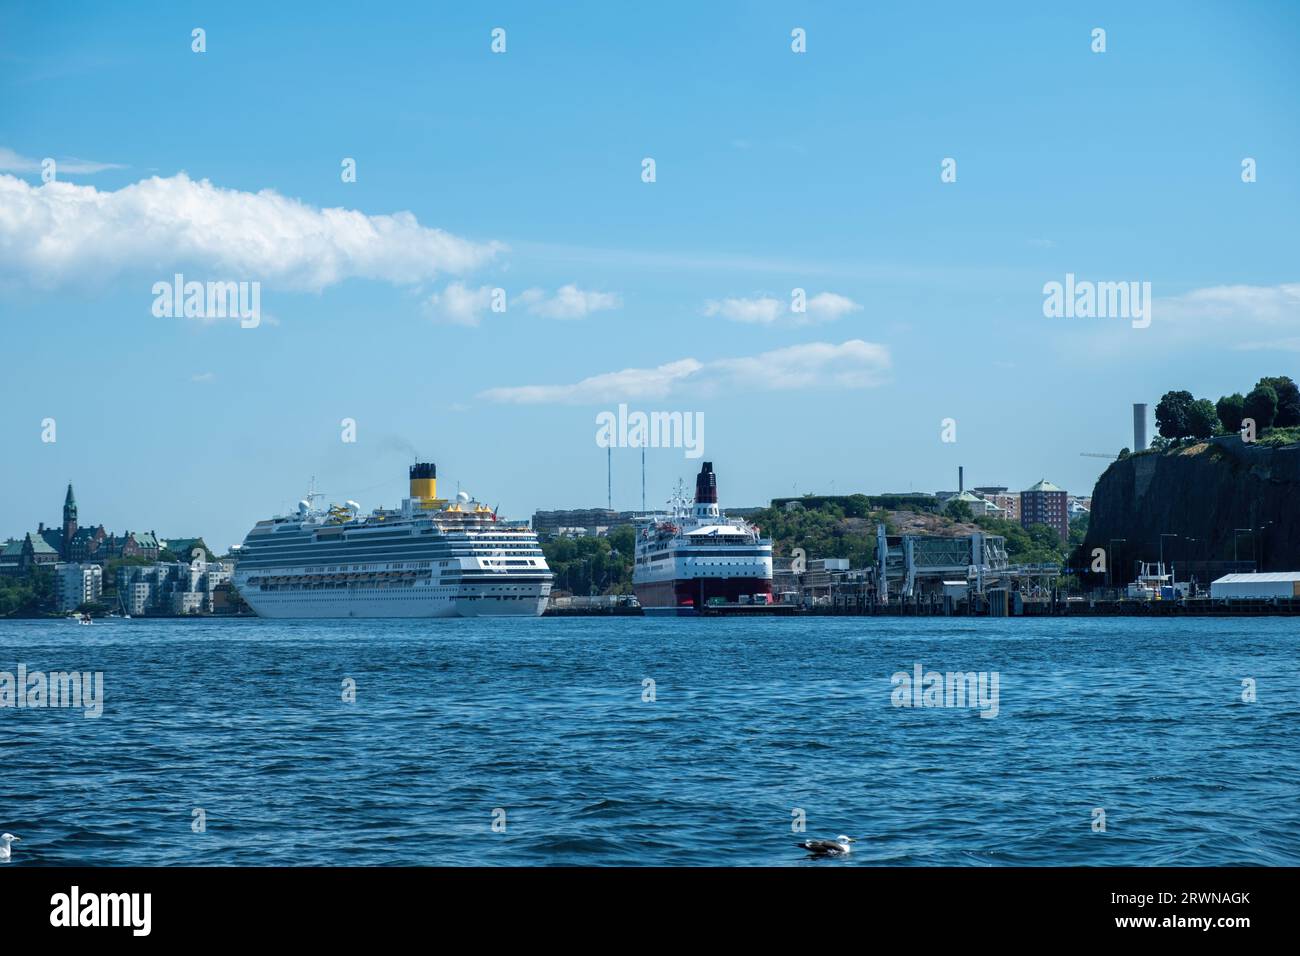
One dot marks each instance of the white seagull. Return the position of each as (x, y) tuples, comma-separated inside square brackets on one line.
[(5, 852), (840, 846)]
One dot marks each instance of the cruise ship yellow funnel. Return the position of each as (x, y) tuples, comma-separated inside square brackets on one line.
[(424, 480)]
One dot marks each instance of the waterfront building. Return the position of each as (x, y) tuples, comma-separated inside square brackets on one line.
[(1007, 502), (73, 543), (30, 551), (549, 524), (187, 602), (172, 587), (1044, 503), (136, 597), (77, 584), (979, 507), (580, 522), (183, 548)]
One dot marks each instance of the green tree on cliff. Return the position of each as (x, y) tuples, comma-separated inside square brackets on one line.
[(1172, 414), (1288, 400), (1261, 405), (1201, 418), (1231, 410)]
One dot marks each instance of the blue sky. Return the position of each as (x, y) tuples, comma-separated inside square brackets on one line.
[(522, 171)]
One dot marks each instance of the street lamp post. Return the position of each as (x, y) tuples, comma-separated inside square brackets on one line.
[(1191, 578), (1111, 563), (1162, 549), (1235, 532), (1259, 562)]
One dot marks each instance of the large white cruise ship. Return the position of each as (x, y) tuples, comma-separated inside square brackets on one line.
[(429, 558), (697, 556)]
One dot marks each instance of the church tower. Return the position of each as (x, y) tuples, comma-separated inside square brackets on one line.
[(69, 521)]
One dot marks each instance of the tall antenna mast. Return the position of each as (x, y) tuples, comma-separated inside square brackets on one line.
[(313, 494), (609, 478), (643, 477)]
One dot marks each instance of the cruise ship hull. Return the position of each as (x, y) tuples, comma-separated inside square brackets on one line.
[(414, 604)]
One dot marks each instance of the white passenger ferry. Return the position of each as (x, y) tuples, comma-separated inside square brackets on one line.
[(696, 556)]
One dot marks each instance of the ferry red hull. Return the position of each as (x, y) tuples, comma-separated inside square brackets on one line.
[(691, 593)]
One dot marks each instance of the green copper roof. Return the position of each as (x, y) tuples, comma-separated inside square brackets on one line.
[(1043, 485), (39, 544)]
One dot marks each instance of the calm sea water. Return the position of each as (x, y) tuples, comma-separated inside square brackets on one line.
[(752, 720)]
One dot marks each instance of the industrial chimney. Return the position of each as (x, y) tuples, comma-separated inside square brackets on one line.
[(961, 479), (1139, 426)]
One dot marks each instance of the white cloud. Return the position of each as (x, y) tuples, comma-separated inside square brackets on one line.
[(204, 378), (11, 162), (1251, 317), (1291, 344), (829, 306), (630, 383), (851, 364), (461, 305), (1266, 305), (458, 304), (569, 302), (60, 232), (1234, 317), (763, 311), (768, 310)]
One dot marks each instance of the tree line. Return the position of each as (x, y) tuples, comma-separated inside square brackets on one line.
[(1274, 402)]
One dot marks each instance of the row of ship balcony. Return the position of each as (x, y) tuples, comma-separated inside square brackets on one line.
[(337, 581)]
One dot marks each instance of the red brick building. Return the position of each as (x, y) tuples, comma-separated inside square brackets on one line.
[(1044, 503), (93, 544)]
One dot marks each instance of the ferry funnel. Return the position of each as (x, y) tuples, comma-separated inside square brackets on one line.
[(706, 485), (424, 480)]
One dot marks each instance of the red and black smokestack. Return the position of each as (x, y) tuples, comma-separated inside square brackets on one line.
[(706, 486)]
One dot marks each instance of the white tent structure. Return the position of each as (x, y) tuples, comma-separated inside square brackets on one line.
[(1275, 584)]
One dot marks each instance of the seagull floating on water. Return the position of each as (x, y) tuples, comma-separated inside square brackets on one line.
[(840, 846), (5, 852)]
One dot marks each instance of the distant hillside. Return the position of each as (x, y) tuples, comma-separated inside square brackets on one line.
[(1203, 491), (822, 528)]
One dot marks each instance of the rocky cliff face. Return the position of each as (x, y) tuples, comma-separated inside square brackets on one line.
[(1204, 492)]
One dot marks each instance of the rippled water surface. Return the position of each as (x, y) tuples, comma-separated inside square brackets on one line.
[(751, 721)]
